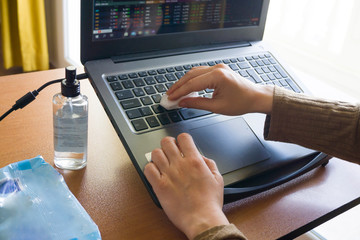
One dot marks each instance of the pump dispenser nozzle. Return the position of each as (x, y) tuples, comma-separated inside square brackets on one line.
[(70, 86)]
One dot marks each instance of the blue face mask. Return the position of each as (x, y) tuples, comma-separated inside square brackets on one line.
[(35, 203)]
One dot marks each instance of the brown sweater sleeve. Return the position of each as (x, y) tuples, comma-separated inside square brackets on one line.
[(328, 126), (331, 127), (224, 232)]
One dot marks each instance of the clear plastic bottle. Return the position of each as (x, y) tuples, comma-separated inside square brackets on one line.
[(70, 117)]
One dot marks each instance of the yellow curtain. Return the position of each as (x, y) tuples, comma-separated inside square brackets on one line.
[(23, 34)]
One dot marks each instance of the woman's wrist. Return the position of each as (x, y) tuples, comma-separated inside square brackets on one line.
[(263, 99), (202, 223)]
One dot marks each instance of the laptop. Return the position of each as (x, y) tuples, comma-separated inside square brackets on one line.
[(133, 51)]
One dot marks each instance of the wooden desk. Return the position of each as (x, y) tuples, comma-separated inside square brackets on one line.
[(112, 193)]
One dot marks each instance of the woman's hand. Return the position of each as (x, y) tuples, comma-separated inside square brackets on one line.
[(233, 94), (188, 185)]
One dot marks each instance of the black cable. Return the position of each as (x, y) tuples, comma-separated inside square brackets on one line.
[(30, 96), (7, 113)]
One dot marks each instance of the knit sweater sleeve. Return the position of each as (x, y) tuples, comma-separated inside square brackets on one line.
[(332, 127), (223, 232), (328, 126)]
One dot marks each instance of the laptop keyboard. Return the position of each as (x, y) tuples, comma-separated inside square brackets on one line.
[(139, 93)]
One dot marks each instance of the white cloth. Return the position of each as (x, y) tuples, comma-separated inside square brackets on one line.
[(169, 105)]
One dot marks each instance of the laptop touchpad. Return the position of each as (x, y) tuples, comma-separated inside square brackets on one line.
[(231, 144)]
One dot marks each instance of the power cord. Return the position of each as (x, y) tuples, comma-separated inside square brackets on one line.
[(30, 96)]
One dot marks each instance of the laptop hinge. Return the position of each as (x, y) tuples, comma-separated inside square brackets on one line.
[(180, 51)]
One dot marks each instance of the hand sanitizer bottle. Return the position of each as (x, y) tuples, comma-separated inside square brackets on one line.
[(70, 115)]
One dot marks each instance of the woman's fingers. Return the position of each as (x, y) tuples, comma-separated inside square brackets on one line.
[(196, 80)]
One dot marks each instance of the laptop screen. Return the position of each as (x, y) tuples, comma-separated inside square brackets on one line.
[(121, 19)]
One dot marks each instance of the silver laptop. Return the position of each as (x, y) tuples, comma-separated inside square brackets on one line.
[(133, 51)]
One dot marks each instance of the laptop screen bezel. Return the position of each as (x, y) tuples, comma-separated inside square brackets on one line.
[(94, 50)]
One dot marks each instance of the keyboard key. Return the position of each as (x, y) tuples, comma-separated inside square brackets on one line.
[(253, 64), (260, 63), (233, 60), (139, 124), (146, 100), (170, 69), (249, 58), (149, 90), (243, 65), (265, 78), (179, 68), (150, 80), (152, 121), (161, 71), (179, 74), (160, 79), (139, 82), (168, 85), (281, 71), (188, 113), (142, 74), (156, 98), (218, 61), (133, 113), (293, 85), (241, 59), (133, 75), (271, 76), (265, 69), (127, 84), (277, 75), (272, 69), (277, 83), (139, 92), (152, 72), (174, 116), (226, 61), (267, 55), (283, 82), (131, 103), (112, 78), (259, 70), (234, 67), (123, 77), (116, 86), (164, 119), (187, 67), (195, 65), (170, 77), (253, 74), (243, 73), (272, 61), (124, 94), (211, 63), (160, 88), (157, 108), (266, 62), (209, 90), (145, 111)]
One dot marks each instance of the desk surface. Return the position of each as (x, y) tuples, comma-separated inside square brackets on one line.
[(111, 191)]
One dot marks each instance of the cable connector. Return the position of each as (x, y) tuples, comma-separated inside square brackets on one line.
[(25, 100), (30, 96)]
